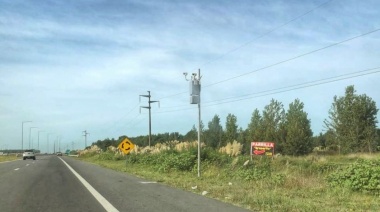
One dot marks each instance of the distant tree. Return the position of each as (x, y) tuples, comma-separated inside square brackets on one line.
[(298, 139), (255, 129), (231, 128), (174, 136), (273, 124), (353, 120), (192, 135), (242, 138), (319, 141), (214, 132)]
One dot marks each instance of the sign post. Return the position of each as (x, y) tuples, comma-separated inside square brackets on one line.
[(126, 146)]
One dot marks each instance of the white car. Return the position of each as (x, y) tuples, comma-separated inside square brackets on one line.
[(28, 154)]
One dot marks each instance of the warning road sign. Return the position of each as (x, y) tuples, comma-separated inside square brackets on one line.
[(126, 146)]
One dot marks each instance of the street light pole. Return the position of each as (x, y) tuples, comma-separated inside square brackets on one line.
[(30, 132), (85, 138), (38, 144), (48, 141), (22, 134)]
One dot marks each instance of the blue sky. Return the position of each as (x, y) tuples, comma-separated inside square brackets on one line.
[(78, 65)]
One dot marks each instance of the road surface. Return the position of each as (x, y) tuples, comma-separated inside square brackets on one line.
[(53, 183)]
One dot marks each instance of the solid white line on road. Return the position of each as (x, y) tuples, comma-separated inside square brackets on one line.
[(106, 205), (148, 182), (17, 169)]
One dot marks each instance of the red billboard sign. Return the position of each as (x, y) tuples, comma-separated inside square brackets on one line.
[(262, 148)]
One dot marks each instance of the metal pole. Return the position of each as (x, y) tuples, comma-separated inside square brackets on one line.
[(195, 98), (30, 132), (150, 120), (38, 144), (48, 141), (199, 127), (85, 138), (150, 116), (22, 134)]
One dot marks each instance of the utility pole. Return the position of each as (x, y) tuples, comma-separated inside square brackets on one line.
[(85, 138), (150, 122), (195, 98)]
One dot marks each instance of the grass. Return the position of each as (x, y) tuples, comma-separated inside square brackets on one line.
[(10, 157), (296, 183)]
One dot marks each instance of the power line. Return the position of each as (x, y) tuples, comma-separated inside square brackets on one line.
[(123, 117), (294, 58), (254, 39), (290, 59), (287, 60), (285, 89)]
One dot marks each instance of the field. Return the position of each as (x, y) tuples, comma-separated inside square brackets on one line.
[(284, 183)]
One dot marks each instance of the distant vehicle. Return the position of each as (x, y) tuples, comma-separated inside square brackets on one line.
[(59, 153), (28, 154)]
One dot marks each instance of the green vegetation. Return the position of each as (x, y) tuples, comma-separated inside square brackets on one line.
[(352, 122), (285, 183)]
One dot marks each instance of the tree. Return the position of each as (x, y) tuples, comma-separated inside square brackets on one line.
[(242, 138), (214, 132), (353, 120), (298, 140), (231, 128), (273, 124), (192, 135), (255, 129)]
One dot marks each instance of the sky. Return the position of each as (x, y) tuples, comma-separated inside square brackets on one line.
[(76, 65)]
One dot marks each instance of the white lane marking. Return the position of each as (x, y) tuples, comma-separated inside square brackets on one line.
[(148, 182), (27, 164), (106, 205), (17, 169)]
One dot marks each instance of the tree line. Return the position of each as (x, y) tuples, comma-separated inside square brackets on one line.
[(350, 127)]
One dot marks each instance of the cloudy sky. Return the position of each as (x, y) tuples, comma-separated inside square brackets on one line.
[(76, 65)]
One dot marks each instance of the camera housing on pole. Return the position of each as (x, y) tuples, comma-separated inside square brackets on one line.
[(195, 98)]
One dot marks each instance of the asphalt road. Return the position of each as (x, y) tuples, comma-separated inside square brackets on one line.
[(53, 183)]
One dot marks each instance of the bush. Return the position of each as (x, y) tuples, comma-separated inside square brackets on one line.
[(256, 170), (184, 161), (363, 175), (214, 157)]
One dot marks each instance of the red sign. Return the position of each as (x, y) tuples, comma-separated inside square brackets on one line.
[(262, 148)]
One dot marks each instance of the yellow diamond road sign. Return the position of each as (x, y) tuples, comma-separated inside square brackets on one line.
[(126, 146)]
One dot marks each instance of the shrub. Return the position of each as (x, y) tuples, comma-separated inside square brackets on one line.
[(256, 170), (363, 175), (184, 161)]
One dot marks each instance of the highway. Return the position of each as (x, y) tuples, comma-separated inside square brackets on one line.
[(52, 183)]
